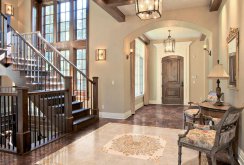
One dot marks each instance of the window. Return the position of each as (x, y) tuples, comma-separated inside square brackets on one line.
[(47, 22), (49, 57), (64, 66), (80, 19), (81, 64), (63, 13), (139, 67)]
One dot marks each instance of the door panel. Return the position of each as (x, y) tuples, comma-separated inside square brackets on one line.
[(172, 80)]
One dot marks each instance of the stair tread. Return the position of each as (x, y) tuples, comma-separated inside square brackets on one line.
[(83, 119), (79, 110), (73, 102)]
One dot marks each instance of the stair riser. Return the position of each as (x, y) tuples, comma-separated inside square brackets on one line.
[(76, 106), (81, 114), (84, 124)]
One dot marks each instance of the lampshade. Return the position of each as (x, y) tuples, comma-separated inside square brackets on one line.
[(148, 9), (218, 72)]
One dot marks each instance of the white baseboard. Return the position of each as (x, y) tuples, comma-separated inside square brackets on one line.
[(115, 115), (154, 102), (138, 106), (240, 156)]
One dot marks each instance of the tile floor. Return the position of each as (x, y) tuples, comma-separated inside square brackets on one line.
[(166, 116)]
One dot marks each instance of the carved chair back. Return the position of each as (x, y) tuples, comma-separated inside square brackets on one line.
[(226, 129)]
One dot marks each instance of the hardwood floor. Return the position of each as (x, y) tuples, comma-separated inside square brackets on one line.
[(169, 116)]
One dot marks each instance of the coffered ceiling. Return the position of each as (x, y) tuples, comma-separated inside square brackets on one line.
[(119, 9)]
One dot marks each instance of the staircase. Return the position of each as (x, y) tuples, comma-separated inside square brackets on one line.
[(82, 115), (53, 95)]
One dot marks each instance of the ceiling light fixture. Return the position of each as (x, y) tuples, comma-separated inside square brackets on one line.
[(169, 44), (148, 9)]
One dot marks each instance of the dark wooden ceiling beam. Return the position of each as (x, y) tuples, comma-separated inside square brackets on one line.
[(214, 5), (119, 2), (112, 10), (144, 39)]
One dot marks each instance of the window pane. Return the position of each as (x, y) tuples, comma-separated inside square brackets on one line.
[(81, 19), (79, 24), (64, 21), (62, 27), (62, 36), (64, 65), (62, 17), (62, 9), (81, 64), (47, 22)]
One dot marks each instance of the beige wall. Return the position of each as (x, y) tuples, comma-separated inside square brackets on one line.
[(14, 19), (197, 71), (21, 20), (105, 32), (151, 73), (232, 15), (6, 82)]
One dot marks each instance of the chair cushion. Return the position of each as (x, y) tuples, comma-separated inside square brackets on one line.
[(200, 138), (202, 127), (191, 112)]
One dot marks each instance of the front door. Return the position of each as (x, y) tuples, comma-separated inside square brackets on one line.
[(172, 80)]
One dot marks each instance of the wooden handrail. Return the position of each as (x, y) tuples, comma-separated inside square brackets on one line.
[(56, 51), (36, 51), (46, 92)]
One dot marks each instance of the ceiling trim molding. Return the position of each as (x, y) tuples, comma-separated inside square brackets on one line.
[(214, 5)]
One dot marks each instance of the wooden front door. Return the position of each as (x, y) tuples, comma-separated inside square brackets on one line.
[(172, 80)]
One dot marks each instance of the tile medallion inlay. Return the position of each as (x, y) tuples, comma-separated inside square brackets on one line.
[(137, 146)]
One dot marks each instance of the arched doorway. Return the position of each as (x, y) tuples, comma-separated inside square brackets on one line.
[(207, 61)]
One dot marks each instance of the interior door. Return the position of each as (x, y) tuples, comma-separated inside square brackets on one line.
[(172, 80)]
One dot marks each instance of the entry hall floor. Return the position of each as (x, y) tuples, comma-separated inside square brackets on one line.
[(162, 116)]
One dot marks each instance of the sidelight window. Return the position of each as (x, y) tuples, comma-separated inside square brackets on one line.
[(139, 67)]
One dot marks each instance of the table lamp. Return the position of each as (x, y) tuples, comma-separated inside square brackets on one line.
[(218, 72)]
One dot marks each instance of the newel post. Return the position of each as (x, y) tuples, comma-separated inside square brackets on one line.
[(95, 96), (68, 103), (23, 133)]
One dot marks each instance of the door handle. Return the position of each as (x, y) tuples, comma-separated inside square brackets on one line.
[(182, 83)]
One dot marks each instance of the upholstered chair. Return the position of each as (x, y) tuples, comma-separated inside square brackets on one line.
[(192, 114), (209, 139)]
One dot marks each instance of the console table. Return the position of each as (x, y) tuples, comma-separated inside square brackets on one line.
[(209, 109)]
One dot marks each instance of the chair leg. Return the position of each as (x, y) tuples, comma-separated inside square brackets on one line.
[(213, 159), (200, 157), (179, 154), (231, 155), (184, 124)]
